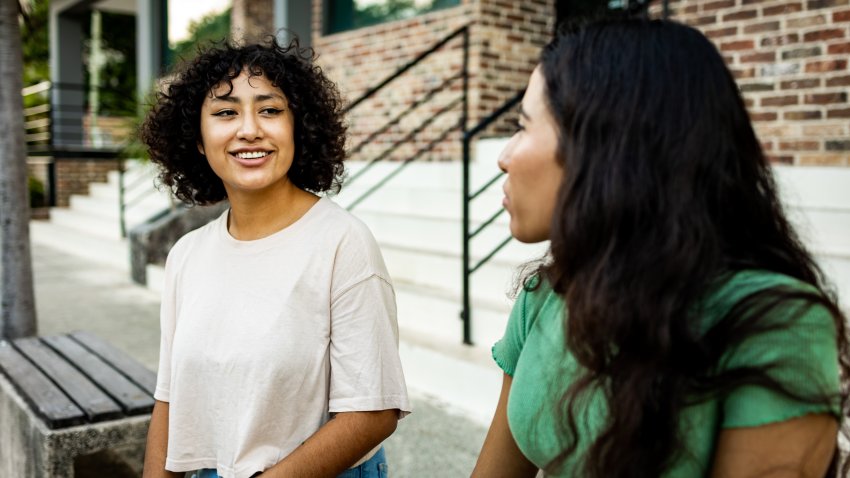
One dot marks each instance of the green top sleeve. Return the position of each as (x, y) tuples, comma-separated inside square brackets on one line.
[(507, 350), (801, 354)]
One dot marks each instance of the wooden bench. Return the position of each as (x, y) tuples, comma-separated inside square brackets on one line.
[(65, 396)]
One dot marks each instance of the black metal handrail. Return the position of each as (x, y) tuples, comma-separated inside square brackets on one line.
[(466, 313)]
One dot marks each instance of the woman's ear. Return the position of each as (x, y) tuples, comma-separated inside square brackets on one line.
[(201, 148)]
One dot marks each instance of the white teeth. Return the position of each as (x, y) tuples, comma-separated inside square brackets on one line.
[(252, 155)]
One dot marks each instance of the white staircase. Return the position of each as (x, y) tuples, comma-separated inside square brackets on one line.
[(90, 227), (416, 220)]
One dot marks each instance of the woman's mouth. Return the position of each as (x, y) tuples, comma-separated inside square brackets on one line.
[(251, 158)]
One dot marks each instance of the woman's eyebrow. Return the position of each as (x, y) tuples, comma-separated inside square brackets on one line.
[(262, 97)]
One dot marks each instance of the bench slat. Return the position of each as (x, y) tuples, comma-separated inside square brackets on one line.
[(42, 395), (136, 372), (95, 404), (133, 400)]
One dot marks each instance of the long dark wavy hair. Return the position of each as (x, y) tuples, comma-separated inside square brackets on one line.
[(666, 190), (172, 128)]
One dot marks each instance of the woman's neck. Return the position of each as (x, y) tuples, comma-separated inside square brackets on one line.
[(254, 215)]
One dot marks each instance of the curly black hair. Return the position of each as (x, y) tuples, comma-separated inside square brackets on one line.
[(172, 128)]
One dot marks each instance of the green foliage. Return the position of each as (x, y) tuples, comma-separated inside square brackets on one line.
[(34, 41), (118, 74), (210, 28), (37, 194), (347, 15)]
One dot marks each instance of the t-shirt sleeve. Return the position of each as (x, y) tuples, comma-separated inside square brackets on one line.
[(167, 324), (366, 371), (802, 354), (507, 350)]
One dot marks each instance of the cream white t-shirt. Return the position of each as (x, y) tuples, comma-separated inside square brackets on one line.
[(262, 340)]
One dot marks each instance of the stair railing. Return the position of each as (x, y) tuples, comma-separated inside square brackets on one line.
[(467, 198)]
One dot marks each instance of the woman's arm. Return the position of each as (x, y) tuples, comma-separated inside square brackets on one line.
[(157, 444), (337, 445), (500, 455), (797, 448)]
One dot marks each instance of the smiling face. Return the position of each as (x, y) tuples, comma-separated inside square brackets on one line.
[(247, 135), (534, 172)]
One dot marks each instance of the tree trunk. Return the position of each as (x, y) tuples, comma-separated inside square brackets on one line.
[(17, 304)]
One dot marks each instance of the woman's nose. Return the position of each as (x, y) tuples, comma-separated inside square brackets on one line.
[(249, 129)]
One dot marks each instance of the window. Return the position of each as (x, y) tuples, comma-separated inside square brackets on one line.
[(342, 15)]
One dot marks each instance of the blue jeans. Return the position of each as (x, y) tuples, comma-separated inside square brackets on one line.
[(375, 467)]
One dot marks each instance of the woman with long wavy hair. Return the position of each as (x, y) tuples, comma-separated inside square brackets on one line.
[(677, 327)]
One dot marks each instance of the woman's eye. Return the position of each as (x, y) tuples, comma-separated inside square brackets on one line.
[(270, 111), (224, 113)]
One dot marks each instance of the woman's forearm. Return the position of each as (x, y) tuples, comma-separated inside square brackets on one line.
[(337, 445), (157, 444)]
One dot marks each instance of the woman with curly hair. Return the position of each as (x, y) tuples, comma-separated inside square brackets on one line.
[(279, 351), (677, 327)]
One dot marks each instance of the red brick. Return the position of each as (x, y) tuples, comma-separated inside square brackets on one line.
[(706, 20), (762, 27), (761, 57), (799, 145), (781, 159), (831, 159), (721, 32), (764, 116), (718, 5), (782, 9), (780, 100), (839, 48), (838, 81), (842, 16), (812, 4), (826, 65), (741, 73), (737, 45), (800, 84), (823, 35), (742, 15), (825, 98), (751, 87), (801, 115), (839, 113)]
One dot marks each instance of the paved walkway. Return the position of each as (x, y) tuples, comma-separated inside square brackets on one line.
[(75, 294)]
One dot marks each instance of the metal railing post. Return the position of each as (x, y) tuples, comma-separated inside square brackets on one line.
[(122, 206), (466, 314)]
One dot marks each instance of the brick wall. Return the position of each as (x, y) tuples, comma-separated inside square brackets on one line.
[(790, 58), (505, 39), (73, 176)]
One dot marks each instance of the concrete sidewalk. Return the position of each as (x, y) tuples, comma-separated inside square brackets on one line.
[(76, 294)]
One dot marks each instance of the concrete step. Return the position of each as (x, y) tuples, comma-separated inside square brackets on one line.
[(109, 210), (113, 252), (86, 223)]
